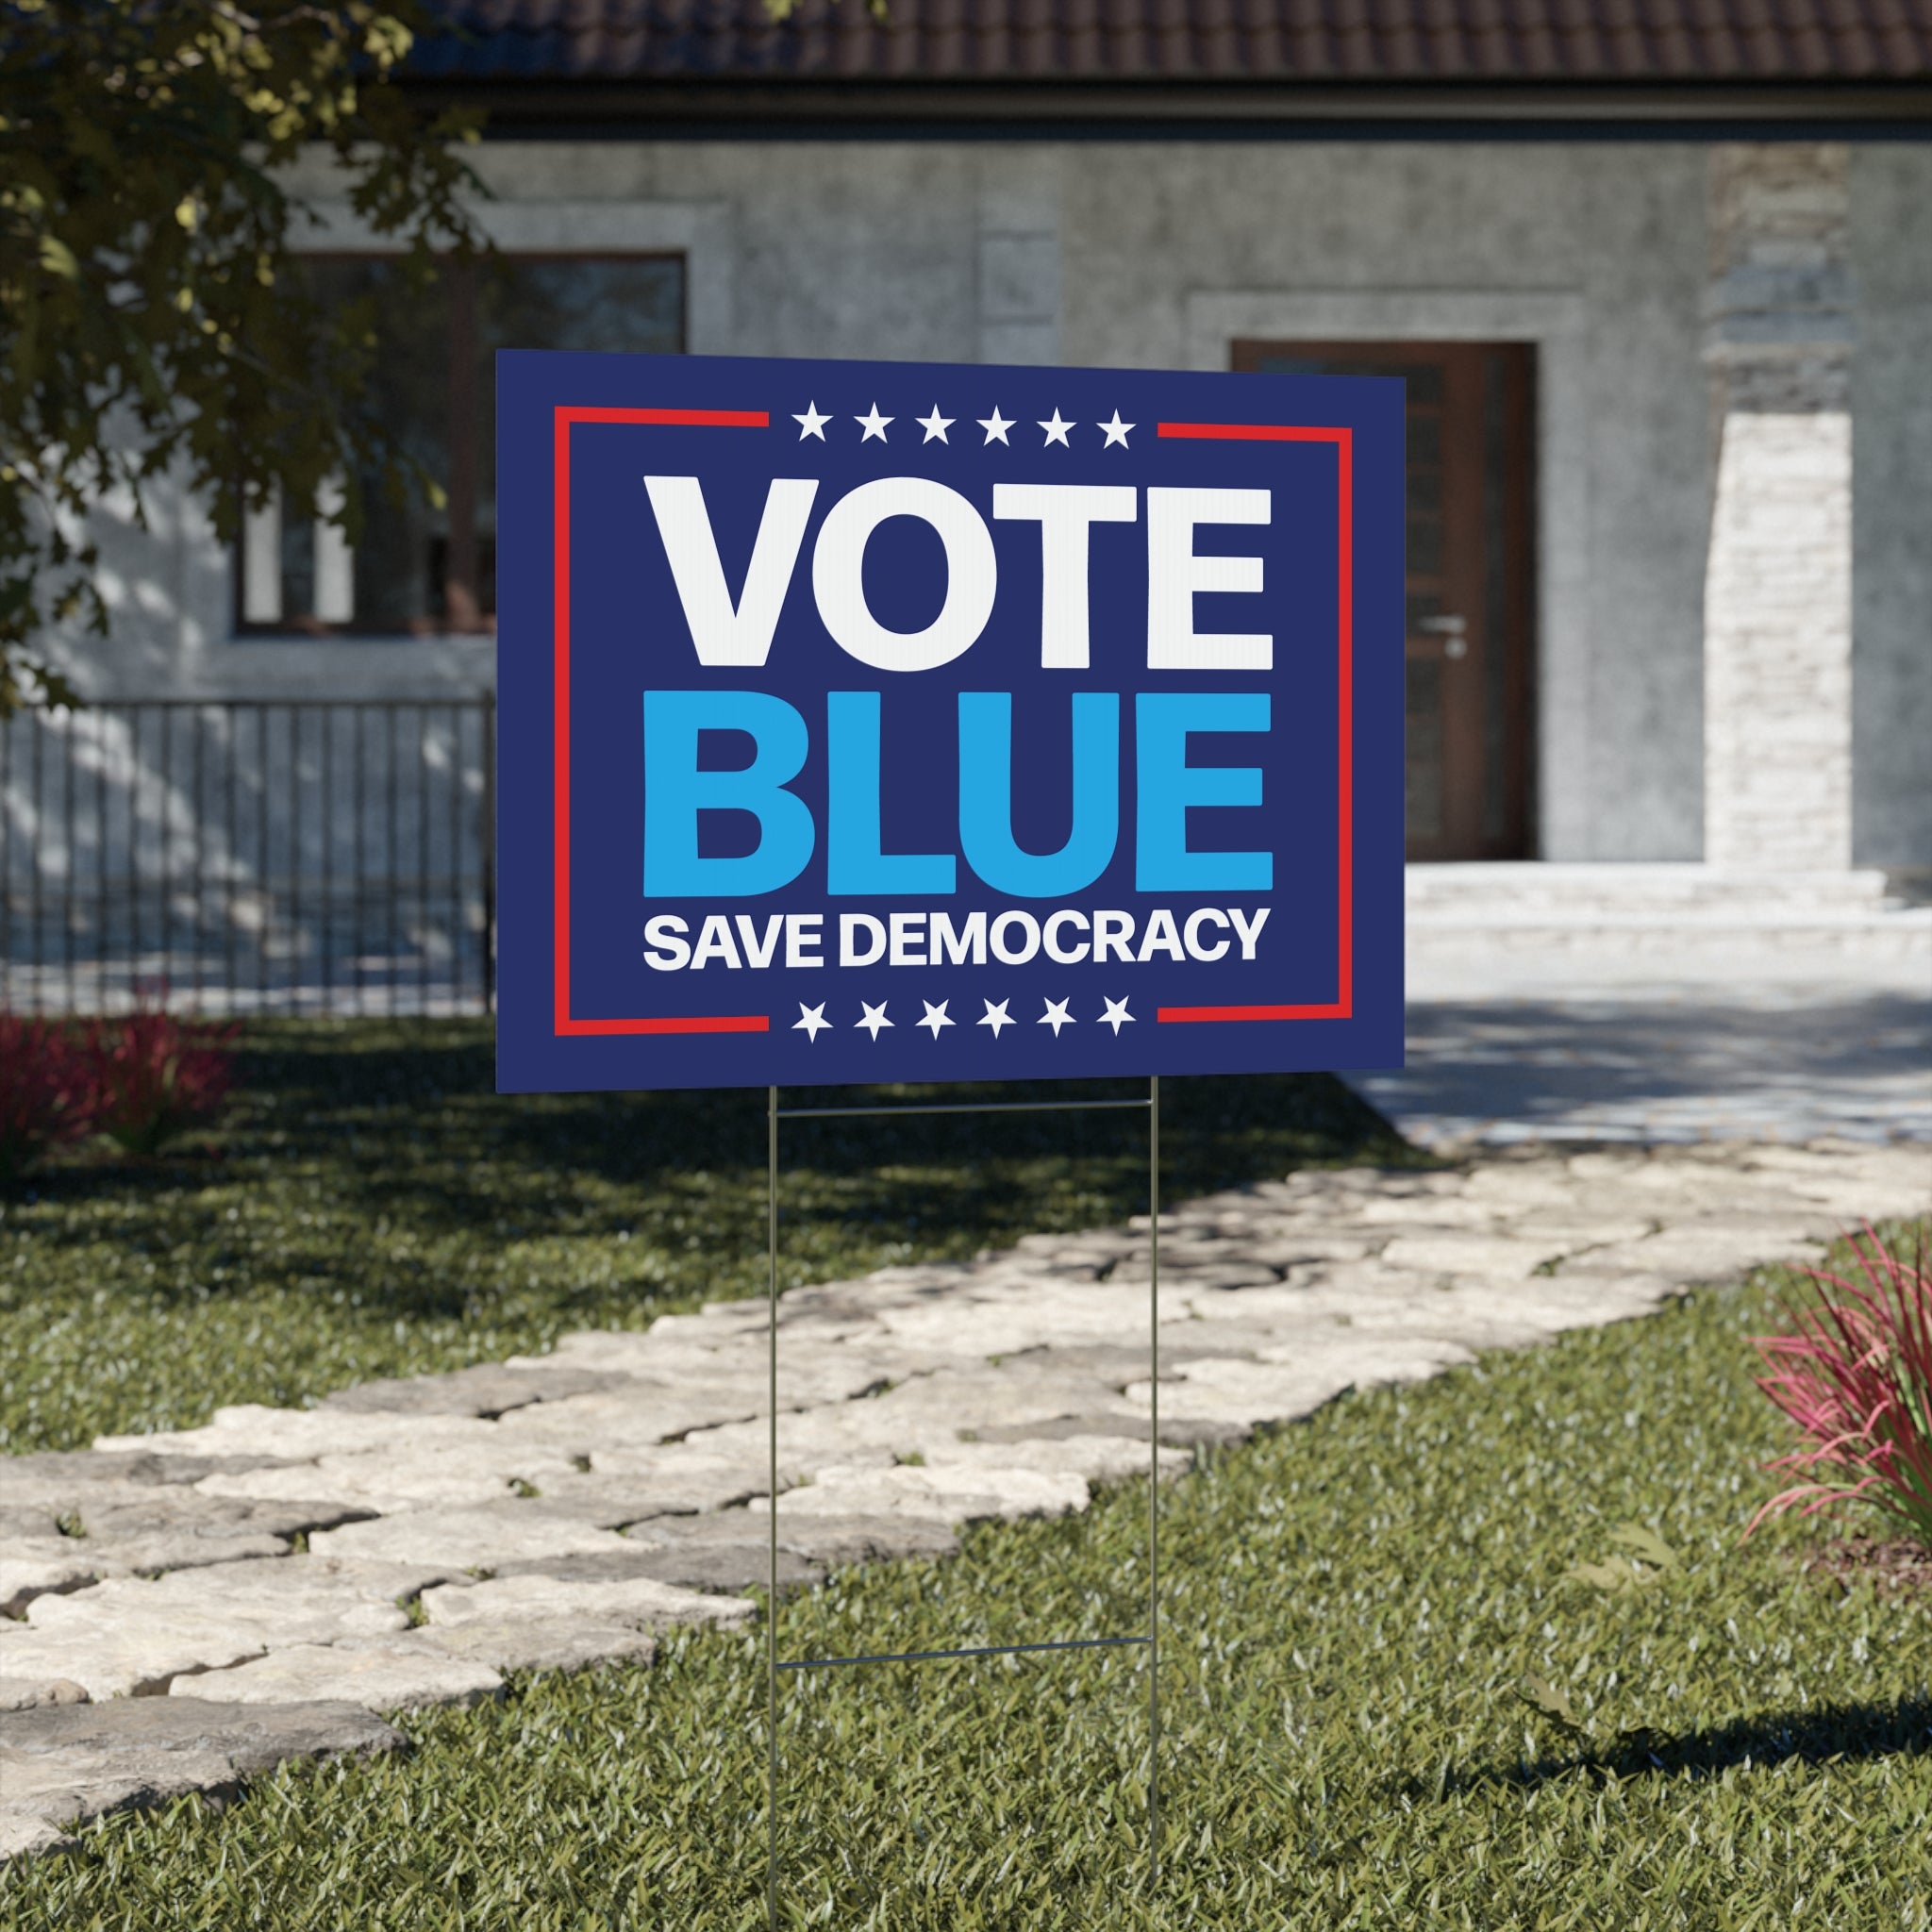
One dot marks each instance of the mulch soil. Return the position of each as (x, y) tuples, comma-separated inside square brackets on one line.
[(1896, 1564)]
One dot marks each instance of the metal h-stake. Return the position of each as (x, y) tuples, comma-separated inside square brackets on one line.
[(774, 1114)]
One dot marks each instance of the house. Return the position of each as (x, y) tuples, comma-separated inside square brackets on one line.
[(1658, 273)]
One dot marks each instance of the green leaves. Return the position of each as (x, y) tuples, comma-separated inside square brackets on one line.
[(150, 325), (58, 259)]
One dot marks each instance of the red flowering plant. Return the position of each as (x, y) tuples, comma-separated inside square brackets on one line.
[(1857, 1378), (47, 1092), (156, 1077)]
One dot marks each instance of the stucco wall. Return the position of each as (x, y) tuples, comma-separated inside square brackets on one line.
[(1158, 254), (1891, 508)]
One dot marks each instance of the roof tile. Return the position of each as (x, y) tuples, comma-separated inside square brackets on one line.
[(1182, 41)]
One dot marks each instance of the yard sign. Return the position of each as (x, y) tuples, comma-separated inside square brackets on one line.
[(891, 722)]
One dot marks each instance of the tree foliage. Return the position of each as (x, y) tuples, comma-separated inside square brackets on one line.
[(151, 316)]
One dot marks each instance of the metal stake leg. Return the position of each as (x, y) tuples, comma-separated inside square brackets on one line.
[(1154, 1482), (772, 1602)]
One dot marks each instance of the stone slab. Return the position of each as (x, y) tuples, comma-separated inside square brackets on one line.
[(517, 1644), (28, 1693), (945, 1495), (1259, 1392), (254, 1431), (378, 1676), (721, 1567), (65, 1763), (1492, 1257), (151, 1510), (478, 1539), (400, 1476), (1114, 1364), (21, 1524), (1688, 1252), (64, 1476), (1180, 1432), (627, 1486), (130, 1638), (137, 1662), (640, 1602), (1089, 1458), (152, 1555), (281, 1591), (637, 1416), (831, 1539), (1229, 1276), (23, 1837), (25, 1578), (488, 1389)]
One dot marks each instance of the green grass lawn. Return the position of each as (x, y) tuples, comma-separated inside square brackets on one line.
[(1350, 1606)]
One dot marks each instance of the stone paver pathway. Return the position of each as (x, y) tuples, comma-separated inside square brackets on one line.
[(550, 1512)]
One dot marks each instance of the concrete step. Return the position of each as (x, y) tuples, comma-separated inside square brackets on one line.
[(1514, 892), (1514, 930), (1903, 934)]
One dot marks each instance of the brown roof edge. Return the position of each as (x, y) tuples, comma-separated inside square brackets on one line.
[(737, 108)]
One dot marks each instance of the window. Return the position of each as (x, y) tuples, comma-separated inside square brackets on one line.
[(420, 571)]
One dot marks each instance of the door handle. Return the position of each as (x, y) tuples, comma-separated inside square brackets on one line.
[(1450, 629)]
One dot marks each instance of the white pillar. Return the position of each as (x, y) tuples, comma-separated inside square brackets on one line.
[(1777, 597)]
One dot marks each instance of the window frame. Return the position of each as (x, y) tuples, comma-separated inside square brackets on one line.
[(462, 277)]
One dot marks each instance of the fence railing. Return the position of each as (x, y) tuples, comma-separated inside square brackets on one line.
[(231, 855)]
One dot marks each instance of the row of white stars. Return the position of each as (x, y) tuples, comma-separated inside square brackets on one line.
[(936, 425), (811, 1021)]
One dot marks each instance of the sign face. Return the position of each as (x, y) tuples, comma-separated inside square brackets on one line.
[(881, 721)]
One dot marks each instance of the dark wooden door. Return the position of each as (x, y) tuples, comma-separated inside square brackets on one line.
[(1468, 580)]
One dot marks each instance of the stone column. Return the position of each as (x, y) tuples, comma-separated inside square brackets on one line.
[(1777, 597)]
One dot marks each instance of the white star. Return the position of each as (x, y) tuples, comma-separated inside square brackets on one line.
[(875, 1019), (810, 1020), (997, 1017), (874, 424), (996, 425), (1116, 431), (936, 1016), (811, 423), (1116, 1016), (1057, 432), (1056, 1016), (935, 425)]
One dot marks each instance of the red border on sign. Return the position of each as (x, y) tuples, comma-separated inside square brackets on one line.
[(566, 1025), (565, 416), (1342, 1006)]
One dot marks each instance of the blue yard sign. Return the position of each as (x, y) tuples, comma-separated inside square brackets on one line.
[(879, 721)]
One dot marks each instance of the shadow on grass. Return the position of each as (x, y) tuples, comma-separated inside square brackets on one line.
[(398, 1122), (1823, 1735)]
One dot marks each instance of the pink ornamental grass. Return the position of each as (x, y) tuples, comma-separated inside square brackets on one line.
[(156, 1076), (1857, 1378), (48, 1092)]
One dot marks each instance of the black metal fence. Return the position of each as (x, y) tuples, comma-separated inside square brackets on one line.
[(235, 857)]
